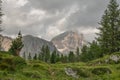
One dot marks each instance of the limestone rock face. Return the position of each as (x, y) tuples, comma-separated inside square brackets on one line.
[(33, 45), (69, 41), (6, 42)]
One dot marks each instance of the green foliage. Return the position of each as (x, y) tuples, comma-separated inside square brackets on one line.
[(19, 62), (71, 57), (44, 54), (38, 70), (77, 54), (29, 56), (109, 36), (101, 71), (33, 75), (91, 52), (17, 45), (84, 55), (11, 63), (53, 57), (35, 57), (24, 55)]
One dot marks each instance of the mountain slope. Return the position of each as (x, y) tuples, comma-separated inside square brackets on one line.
[(38, 70), (34, 44), (68, 41), (31, 44)]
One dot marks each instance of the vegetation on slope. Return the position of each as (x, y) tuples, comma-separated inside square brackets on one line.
[(16, 68)]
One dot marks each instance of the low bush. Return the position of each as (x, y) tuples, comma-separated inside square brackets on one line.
[(19, 62), (101, 71)]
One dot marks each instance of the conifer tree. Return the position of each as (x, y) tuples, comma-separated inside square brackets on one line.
[(53, 57), (47, 54), (35, 57), (29, 56), (17, 45), (84, 53), (40, 57), (109, 36), (71, 57), (24, 55), (77, 54), (42, 53)]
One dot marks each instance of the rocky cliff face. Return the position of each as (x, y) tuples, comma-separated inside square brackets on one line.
[(34, 44), (6, 42), (68, 41), (31, 44)]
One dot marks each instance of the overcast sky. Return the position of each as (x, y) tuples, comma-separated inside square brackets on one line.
[(48, 18)]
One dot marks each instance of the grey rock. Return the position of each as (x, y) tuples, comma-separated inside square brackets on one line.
[(69, 41), (72, 73), (115, 58), (6, 43), (33, 45)]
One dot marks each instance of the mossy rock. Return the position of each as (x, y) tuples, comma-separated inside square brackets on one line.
[(101, 71)]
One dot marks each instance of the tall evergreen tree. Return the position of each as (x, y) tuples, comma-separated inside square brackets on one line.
[(47, 54), (35, 57), (53, 57), (84, 53), (42, 53), (109, 36), (24, 55), (94, 51), (71, 57), (17, 45), (77, 54), (29, 56), (40, 57)]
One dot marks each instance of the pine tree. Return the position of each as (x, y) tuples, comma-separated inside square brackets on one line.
[(77, 54), (35, 57), (57, 57), (40, 57), (53, 57), (47, 54), (29, 56), (71, 57), (42, 53), (84, 54), (24, 55), (17, 45), (94, 51), (109, 36)]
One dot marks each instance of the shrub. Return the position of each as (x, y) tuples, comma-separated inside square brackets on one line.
[(32, 74), (101, 71), (5, 66), (19, 62), (82, 72)]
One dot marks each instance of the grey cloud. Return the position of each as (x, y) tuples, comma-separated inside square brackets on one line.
[(60, 14)]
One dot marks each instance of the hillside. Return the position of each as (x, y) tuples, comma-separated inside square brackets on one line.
[(16, 68)]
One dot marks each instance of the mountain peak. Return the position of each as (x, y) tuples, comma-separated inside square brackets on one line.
[(68, 41)]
